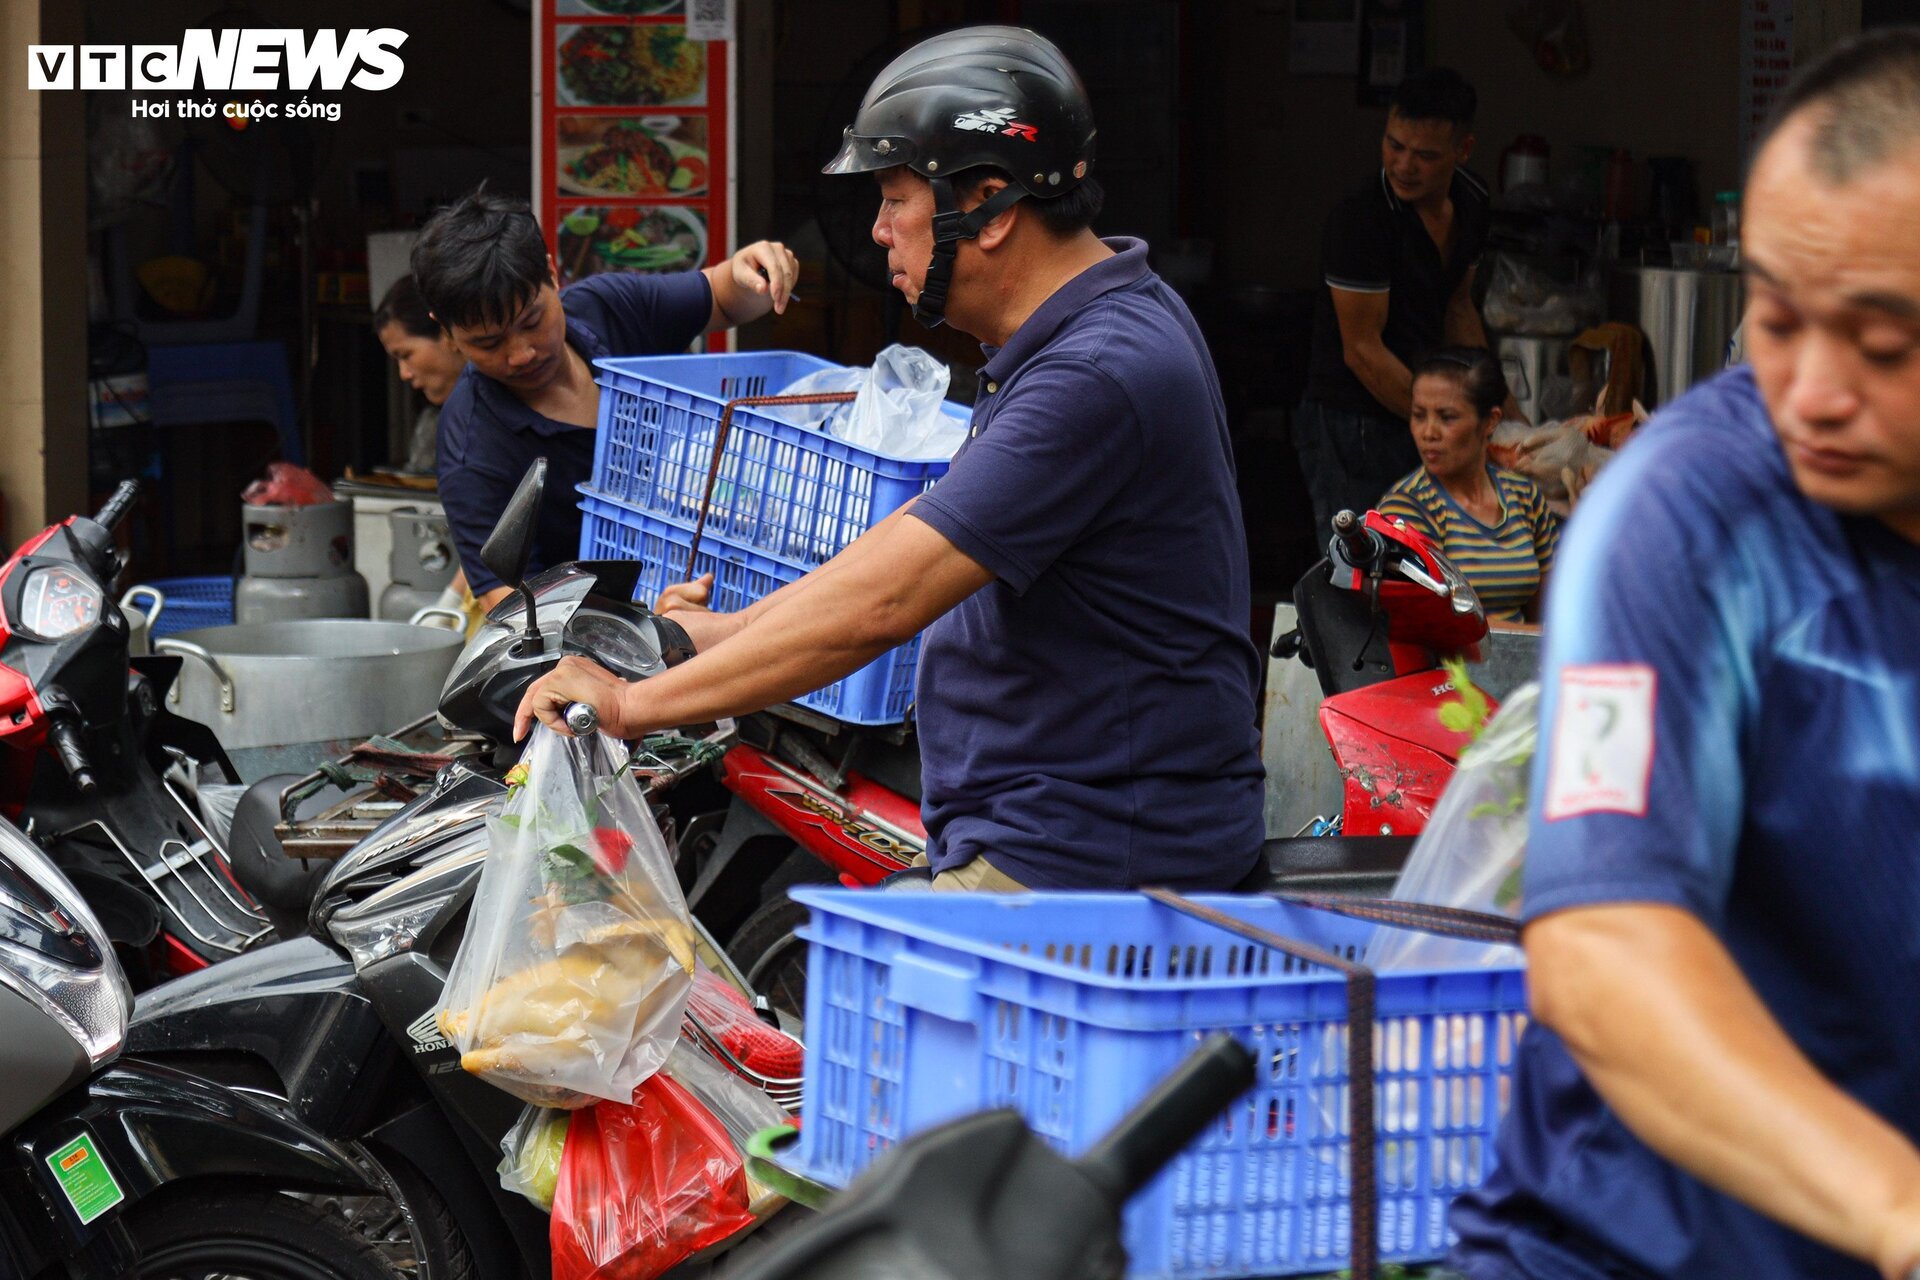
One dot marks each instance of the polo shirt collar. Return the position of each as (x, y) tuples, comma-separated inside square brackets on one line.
[(1461, 179), (1127, 266), (512, 411)]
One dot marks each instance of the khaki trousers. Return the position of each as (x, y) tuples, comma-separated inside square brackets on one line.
[(978, 876)]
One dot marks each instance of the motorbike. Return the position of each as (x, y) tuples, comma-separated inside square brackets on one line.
[(115, 1165), (296, 1110), (97, 771), (1376, 617)]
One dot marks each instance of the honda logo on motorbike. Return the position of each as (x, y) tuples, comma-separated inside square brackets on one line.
[(424, 1031)]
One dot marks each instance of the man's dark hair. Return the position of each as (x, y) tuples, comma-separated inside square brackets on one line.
[(1867, 91), (480, 260), (1436, 93), (1063, 215), (404, 306), (1475, 369)]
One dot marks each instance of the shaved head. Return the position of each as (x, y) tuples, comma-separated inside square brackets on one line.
[(1861, 103)]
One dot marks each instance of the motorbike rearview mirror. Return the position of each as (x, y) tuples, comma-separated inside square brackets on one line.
[(510, 545)]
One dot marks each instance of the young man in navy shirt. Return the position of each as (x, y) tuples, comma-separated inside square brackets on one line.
[(1723, 872), (1086, 685), (528, 388)]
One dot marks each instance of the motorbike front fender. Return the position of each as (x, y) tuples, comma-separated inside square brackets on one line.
[(153, 1127)]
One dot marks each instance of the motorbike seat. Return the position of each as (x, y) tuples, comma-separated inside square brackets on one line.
[(277, 882)]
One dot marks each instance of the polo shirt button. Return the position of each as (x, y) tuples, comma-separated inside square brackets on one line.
[(992, 387)]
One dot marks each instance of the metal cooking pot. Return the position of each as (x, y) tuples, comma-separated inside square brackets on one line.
[(263, 684), (140, 621)]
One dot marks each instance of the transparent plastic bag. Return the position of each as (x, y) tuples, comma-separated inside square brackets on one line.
[(897, 411), (1473, 849), (645, 1185), (530, 1155), (573, 977)]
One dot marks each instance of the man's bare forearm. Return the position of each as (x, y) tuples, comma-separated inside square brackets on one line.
[(1385, 377), (1674, 1039)]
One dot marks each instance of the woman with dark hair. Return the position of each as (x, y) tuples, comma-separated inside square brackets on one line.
[(428, 360), (1492, 524)]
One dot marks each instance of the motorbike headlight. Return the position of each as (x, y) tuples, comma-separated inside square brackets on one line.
[(54, 952), (56, 601), (391, 920)]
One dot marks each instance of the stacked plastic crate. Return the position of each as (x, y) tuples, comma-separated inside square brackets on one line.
[(785, 499)]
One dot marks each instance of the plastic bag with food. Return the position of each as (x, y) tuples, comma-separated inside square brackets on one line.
[(573, 977), (287, 485), (530, 1155), (645, 1185), (1473, 849)]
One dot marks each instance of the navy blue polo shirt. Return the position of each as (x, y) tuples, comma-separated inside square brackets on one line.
[(1730, 725), (1087, 718), (489, 437)]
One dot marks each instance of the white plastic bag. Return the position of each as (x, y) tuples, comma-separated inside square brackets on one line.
[(574, 974), (897, 411), (530, 1155), (1474, 846)]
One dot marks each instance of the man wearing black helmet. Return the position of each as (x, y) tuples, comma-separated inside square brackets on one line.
[(1086, 684)]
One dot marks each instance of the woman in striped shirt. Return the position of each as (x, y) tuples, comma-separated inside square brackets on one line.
[(1492, 524)]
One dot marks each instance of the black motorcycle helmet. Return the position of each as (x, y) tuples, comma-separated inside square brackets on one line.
[(1000, 96)]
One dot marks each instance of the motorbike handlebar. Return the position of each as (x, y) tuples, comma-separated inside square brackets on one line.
[(64, 733), (582, 720), (1358, 543), (1170, 1117), (118, 504)]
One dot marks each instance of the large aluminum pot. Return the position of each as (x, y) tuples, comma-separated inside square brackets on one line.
[(263, 684), (140, 621)]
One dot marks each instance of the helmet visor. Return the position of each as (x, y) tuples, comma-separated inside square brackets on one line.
[(861, 154)]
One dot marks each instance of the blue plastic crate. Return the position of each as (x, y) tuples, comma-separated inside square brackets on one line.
[(192, 603), (879, 693), (1070, 1007), (783, 489)]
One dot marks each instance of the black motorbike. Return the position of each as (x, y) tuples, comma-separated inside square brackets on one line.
[(97, 771), (323, 1079)]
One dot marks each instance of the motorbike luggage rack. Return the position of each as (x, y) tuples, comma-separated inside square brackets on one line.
[(421, 749)]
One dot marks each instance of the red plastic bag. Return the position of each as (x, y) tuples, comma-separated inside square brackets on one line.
[(644, 1187), (287, 486)]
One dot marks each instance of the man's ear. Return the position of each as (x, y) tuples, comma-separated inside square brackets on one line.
[(995, 233), (553, 271), (1465, 150)]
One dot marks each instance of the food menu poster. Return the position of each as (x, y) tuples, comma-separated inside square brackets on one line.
[(1766, 63), (632, 162)]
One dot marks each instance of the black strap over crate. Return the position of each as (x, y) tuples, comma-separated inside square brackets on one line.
[(1364, 1219), (720, 445)]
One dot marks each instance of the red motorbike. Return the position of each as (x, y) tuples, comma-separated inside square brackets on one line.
[(94, 768), (1375, 619)]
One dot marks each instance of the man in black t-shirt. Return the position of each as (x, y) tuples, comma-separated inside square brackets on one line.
[(1398, 259)]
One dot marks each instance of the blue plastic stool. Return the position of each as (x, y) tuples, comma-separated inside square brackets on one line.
[(226, 382)]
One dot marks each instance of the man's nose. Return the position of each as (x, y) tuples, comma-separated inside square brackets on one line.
[(521, 356), (1822, 392), (882, 230)]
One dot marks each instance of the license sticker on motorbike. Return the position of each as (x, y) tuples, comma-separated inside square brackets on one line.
[(1602, 754), (84, 1178)]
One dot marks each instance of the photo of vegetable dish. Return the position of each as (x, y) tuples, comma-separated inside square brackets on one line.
[(613, 66), (623, 8), (646, 156), (630, 238)]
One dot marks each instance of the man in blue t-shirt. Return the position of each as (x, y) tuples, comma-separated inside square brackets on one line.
[(1723, 872), (1086, 686), (528, 389)]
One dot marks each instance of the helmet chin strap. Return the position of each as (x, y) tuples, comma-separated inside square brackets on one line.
[(951, 225)]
